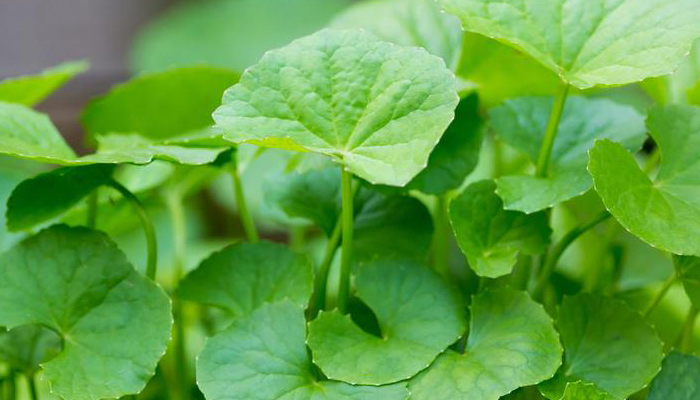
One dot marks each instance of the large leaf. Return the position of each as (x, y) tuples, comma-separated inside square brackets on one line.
[(408, 23), (30, 90), (377, 108), (678, 379), (522, 122), (114, 322), (605, 343), (242, 277), (418, 315), (665, 212), (264, 356), (26, 347), (688, 270), (589, 43), (512, 343), (457, 153), (492, 237)]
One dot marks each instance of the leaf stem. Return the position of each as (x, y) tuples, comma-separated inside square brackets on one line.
[(319, 300), (148, 230), (551, 132), (246, 218), (31, 383), (11, 385), (685, 339), (91, 221), (441, 244), (660, 295), (348, 228), (558, 249)]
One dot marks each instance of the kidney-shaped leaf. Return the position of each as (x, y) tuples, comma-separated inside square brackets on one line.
[(678, 379), (264, 356), (588, 42), (375, 107), (521, 123), (26, 347), (490, 236), (419, 316), (665, 212), (29, 90), (688, 270), (114, 322), (512, 343)]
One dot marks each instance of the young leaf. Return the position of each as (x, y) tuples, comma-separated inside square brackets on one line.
[(602, 338), (30, 90), (377, 108), (412, 334), (584, 391), (114, 322), (688, 270), (490, 236), (456, 154), (589, 43), (512, 343), (418, 23), (242, 277), (666, 212), (678, 379), (263, 356), (50, 194), (521, 123), (26, 347)]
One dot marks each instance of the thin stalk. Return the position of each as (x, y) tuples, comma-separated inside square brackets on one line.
[(660, 295), (441, 240), (685, 339), (319, 300), (11, 385), (246, 218), (348, 228), (148, 230), (297, 238), (31, 383), (91, 221), (520, 276), (551, 132), (558, 249)]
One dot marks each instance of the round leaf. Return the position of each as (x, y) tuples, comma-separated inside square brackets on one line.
[(30, 90), (678, 379)]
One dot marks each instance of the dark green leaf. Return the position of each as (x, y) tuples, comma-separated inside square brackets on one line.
[(678, 379), (26, 347)]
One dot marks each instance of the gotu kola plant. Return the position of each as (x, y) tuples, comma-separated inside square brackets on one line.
[(385, 175)]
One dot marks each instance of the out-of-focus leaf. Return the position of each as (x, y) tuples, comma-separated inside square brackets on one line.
[(30, 90), (678, 379)]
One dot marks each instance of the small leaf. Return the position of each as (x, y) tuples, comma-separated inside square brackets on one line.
[(584, 391), (602, 340), (665, 212), (29, 90), (377, 108), (263, 356), (688, 270), (678, 379), (26, 347), (242, 277), (76, 282), (521, 123), (412, 334), (589, 43), (492, 237), (512, 343)]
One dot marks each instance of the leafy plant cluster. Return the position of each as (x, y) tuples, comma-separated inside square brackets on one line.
[(480, 203)]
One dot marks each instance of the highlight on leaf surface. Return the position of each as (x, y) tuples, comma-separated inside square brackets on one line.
[(512, 343), (678, 379), (76, 282), (377, 108), (664, 212), (29, 90), (412, 335)]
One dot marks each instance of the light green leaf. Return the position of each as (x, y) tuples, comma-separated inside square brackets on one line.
[(263, 356), (457, 153), (111, 319), (678, 379), (589, 43), (377, 108), (605, 343), (412, 334), (584, 391), (418, 23), (665, 212), (242, 277), (521, 123), (512, 343), (688, 270), (492, 237), (30, 90), (26, 347)]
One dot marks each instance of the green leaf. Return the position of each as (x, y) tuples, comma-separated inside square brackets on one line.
[(26, 347), (111, 319), (688, 270), (521, 123), (605, 343), (377, 108), (418, 23), (242, 277), (30, 90), (589, 43), (492, 237), (50, 194), (512, 343), (456, 154), (665, 212), (264, 356), (412, 334), (678, 379), (584, 391), (154, 106)]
